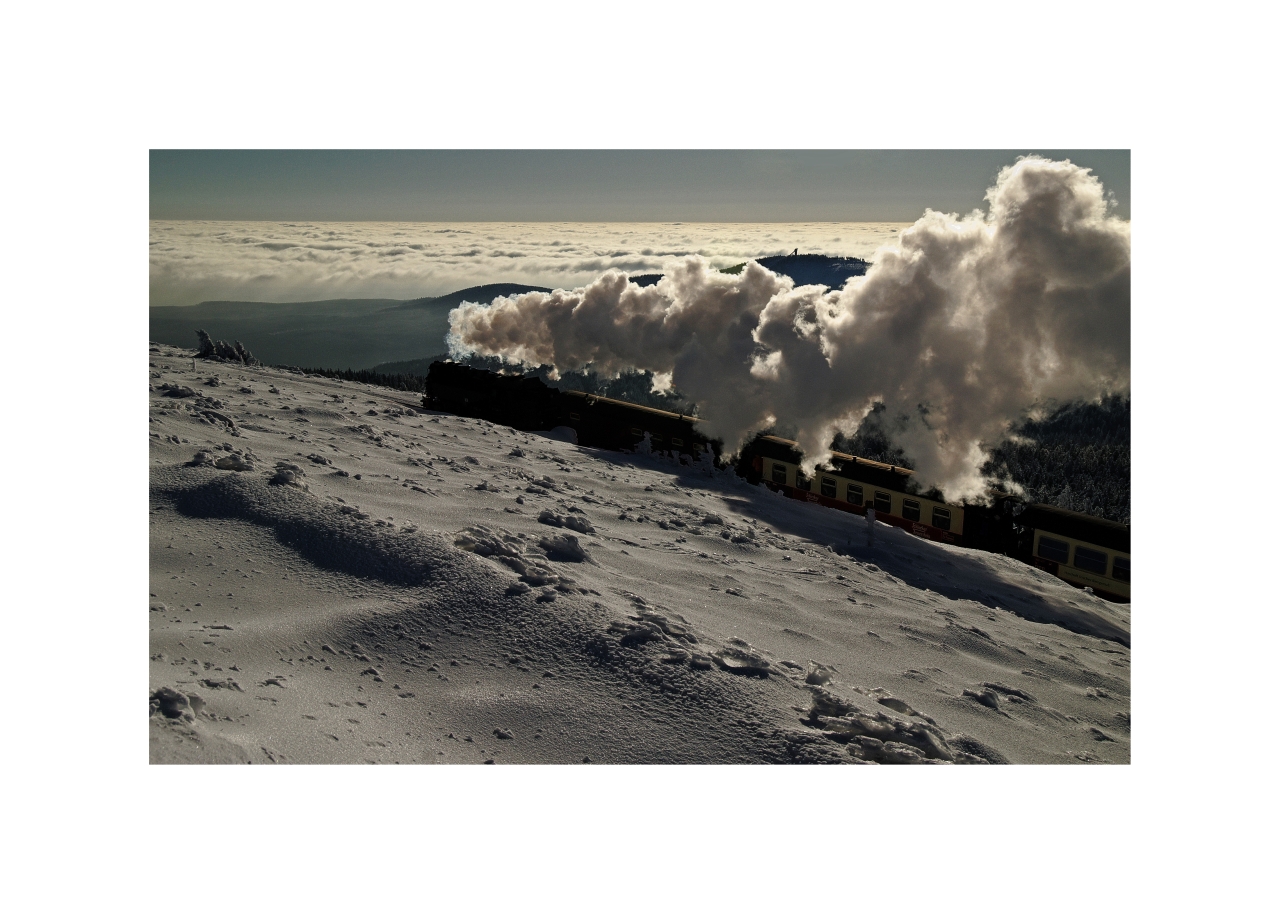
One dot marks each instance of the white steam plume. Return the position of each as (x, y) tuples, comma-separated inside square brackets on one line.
[(960, 326)]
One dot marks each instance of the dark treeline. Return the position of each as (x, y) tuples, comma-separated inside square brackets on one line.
[(405, 382), (1075, 458), (873, 440)]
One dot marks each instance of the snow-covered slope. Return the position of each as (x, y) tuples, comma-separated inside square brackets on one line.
[(339, 577)]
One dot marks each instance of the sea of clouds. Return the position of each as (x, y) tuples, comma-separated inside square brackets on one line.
[(191, 262)]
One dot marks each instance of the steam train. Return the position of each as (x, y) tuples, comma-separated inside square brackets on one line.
[(1082, 550)]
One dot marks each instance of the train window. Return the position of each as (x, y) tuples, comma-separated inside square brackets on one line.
[(910, 509), (942, 518), (854, 495), (1053, 550), (803, 483), (677, 442), (574, 416), (828, 487), (780, 473), (1090, 560), (883, 503), (1120, 568)]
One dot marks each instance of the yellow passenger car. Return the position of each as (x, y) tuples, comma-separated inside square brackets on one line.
[(855, 484), (1082, 550)]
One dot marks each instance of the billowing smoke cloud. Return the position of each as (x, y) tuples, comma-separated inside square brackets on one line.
[(959, 328)]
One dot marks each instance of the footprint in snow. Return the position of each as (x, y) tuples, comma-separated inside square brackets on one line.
[(564, 547), (985, 697), (819, 673)]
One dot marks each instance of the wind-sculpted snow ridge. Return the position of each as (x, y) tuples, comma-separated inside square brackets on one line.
[(332, 536), (1077, 619), (1099, 619), (638, 700), (880, 737)]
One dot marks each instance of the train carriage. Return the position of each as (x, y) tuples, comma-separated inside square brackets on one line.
[(603, 422), (853, 484), (1082, 550), (528, 404)]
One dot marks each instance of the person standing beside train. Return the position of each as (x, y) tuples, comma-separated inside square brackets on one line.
[(871, 525)]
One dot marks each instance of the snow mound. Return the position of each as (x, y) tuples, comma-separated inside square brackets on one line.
[(571, 520), (326, 534), (881, 738)]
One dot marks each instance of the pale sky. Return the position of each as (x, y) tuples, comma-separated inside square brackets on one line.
[(590, 185)]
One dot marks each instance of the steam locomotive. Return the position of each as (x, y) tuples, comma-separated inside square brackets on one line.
[(1085, 551)]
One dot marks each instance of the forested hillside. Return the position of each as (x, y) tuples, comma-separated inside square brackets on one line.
[(1077, 458)]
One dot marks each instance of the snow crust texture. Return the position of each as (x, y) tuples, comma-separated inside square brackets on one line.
[(337, 576)]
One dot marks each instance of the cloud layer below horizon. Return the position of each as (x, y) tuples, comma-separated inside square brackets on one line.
[(191, 262)]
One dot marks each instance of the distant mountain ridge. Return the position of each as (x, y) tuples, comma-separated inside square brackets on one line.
[(815, 269), (483, 294), (804, 269), (336, 333)]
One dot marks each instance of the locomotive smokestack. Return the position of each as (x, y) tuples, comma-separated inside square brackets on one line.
[(958, 328)]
